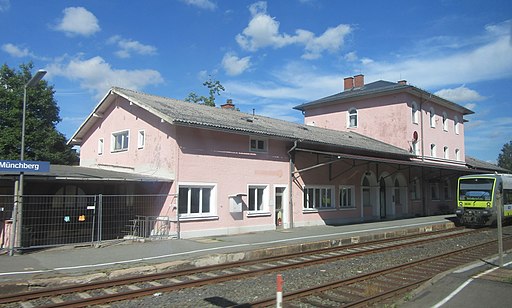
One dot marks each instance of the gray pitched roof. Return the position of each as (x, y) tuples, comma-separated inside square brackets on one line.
[(474, 163), (183, 113), (382, 87)]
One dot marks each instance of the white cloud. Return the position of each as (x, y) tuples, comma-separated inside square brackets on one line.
[(263, 31), (78, 21), (331, 40), (4, 5), (488, 61), (460, 94), (128, 46), (234, 65), (351, 56), (97, 76), (470, 106), (15, 51), (202, 4)]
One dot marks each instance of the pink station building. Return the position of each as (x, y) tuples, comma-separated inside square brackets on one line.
[(375, 151)]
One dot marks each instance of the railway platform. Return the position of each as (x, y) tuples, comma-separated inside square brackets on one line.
[(76, 264)]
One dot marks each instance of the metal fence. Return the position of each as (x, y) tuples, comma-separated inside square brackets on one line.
[(68, 219)]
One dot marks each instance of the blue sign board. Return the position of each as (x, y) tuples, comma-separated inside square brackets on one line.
[(24, 166)]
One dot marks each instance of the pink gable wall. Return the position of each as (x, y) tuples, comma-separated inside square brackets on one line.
[(158, 155)]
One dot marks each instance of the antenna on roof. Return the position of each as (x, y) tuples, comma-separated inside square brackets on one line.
[(253, 113)]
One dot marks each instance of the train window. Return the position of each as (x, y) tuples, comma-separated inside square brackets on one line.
[(507, 196), (476, 189)]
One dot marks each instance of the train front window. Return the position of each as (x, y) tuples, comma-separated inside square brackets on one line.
[(475, 189)]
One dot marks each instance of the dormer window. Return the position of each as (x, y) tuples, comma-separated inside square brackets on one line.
[(352, 118)]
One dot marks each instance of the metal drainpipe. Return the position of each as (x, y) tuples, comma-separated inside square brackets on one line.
[(290, 183)]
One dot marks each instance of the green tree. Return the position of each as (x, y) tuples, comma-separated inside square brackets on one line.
[(214, 89), (505, 157), (42, 140)]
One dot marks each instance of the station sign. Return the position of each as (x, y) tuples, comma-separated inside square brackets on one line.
[(11, 166)]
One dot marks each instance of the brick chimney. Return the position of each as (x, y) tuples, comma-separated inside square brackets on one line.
[(358, 81), (348, 83), (402, 82), (228, 105)]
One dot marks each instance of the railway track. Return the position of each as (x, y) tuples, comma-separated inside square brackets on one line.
[(129, 288), (380, 286)]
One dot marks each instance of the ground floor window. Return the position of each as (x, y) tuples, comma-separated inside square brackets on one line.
[(196, 200), (347, 199), (258, 197), (318, 197)]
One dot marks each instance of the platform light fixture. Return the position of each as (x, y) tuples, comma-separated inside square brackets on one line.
[(18, 205)]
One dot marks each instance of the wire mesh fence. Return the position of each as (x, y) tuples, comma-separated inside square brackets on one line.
[(72, 219)]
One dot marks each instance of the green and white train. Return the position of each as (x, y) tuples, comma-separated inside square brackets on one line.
[(479, 197)]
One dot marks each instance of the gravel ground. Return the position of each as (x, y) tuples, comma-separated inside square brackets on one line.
[(254, 288)]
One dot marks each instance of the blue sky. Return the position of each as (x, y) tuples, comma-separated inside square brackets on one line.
[(269, 55)]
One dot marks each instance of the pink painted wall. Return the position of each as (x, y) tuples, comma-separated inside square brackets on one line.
[(157, 157), (389, 119), (199, 156)]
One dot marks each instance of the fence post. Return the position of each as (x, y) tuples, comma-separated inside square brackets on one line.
[(100, 216)]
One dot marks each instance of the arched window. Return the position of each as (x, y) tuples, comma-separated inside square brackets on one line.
[(366, 192), (432, 118), (69, 196), (445, 122), (457, 154), (446, 154), (414, 110), (433, 150), (456, 124), (352, 117), (447, 190)]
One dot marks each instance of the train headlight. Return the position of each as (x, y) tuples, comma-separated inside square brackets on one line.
[(458, 211), (485, 212), (460, 203), (488, 204)]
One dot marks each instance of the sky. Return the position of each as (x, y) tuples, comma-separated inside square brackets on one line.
[(269, 55)]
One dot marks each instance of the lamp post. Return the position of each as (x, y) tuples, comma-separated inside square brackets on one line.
[(18, 204)]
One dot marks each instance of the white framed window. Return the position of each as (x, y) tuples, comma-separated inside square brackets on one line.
[(120, 141), (318, 197), (446, 154), (352, 118), (432, 118), (457, 154), (258, 198), (141, 139), (433, 150), (347, 197), (101, 146), (258, 144), (196, 200), (415, 149), (445, 122), (456, 125), (415, 113)]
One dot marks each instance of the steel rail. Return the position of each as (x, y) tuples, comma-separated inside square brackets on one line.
[(366, 277), (431, 236)]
